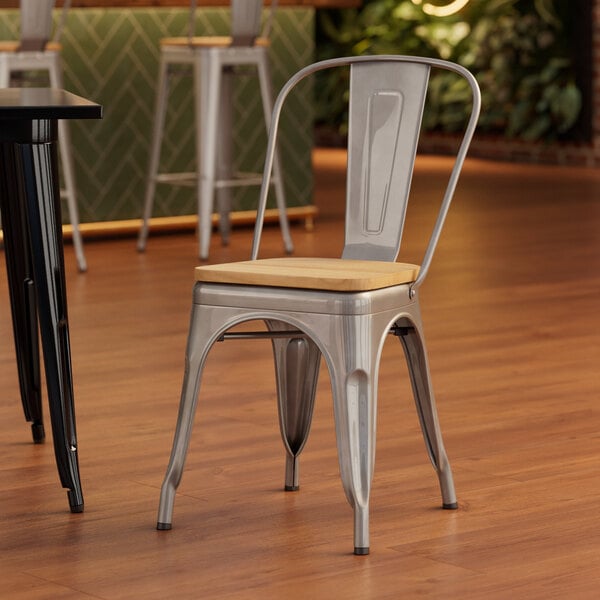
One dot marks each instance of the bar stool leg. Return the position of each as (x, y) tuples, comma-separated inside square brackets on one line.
[(4, 73), (160, 111), (224, 152), (208, 72), (64, 144)]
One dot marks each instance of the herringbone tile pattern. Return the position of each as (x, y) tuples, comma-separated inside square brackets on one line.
[(111, 56)]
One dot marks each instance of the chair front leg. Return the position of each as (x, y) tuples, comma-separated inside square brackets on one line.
[(297, 362), (199, 342), (353, 362)]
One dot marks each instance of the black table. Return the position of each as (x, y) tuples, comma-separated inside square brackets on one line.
[(31, 221)]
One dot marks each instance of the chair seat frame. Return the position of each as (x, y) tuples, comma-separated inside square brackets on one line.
[(348, 330)]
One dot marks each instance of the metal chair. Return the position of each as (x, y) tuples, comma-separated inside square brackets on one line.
[(341, 309), (214, 61), (34, 52)]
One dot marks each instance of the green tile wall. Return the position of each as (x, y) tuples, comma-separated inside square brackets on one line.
[(111, 57)]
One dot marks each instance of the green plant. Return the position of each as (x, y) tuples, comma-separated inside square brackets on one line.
[(519, 50)]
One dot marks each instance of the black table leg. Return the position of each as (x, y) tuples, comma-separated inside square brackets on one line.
[(22, 293), (31, 219), (39, 166), (35, 254)]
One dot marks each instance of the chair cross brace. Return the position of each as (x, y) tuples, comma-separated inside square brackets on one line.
[(401, 331), (269, 335), (294, 333)]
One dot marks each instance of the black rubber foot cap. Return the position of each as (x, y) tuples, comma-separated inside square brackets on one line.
[(163, 526), (291, 488), (75, 501), (39, 435), (361, 551), (450, 506)]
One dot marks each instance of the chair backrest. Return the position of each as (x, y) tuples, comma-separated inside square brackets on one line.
[(245, 20), (36, 23), (387, 98)]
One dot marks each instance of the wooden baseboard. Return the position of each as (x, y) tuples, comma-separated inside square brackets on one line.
[(130, 227)]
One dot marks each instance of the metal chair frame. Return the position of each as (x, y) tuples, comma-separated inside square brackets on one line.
[(346, 328)]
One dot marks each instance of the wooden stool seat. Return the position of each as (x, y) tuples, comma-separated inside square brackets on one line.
[(15, 46), (207, 41)]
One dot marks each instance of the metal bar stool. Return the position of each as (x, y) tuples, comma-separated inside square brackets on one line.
[(213, 61), (34, 52)]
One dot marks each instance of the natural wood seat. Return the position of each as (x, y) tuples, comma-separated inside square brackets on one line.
[(333, 274), (207, 41), (14, 46)]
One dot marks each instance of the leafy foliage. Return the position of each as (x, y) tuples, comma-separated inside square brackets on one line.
[(518, 50)]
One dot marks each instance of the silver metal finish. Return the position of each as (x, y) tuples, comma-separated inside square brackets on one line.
[(245, 21), (36, 23), (34, 55), (213, 68), (403, 88), (347, 329)]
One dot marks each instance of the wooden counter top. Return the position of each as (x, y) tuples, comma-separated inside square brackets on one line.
[(182, 3)]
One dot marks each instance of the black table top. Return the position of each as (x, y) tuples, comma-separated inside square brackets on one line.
[(45, 103)]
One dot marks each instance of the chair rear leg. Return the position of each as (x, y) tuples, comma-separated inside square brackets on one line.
[(297, 362), (197, 350), (416, 357)]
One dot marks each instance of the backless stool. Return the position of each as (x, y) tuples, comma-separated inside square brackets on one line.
[(213, 61), (34, 52)]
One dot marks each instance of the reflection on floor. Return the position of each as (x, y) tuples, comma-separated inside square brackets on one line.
[(513, 328)]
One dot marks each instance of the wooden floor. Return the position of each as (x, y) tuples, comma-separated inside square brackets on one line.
[(511, 311)]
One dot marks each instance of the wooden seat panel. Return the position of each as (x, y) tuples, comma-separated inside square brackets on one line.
[(332, 274)]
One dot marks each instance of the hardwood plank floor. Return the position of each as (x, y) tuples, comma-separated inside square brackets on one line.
[(511, 314)]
